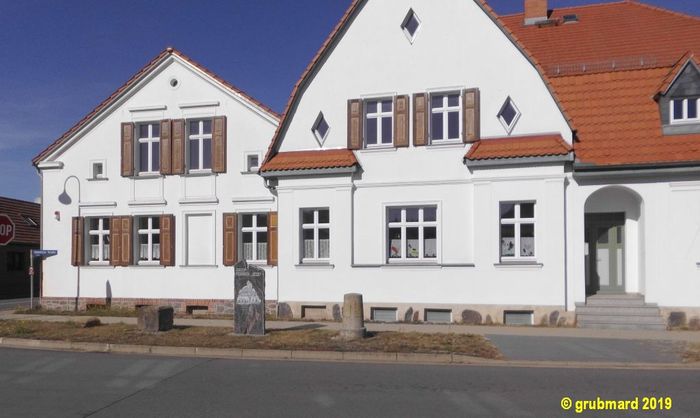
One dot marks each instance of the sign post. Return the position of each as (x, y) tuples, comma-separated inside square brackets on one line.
[(36, 253), (7, 229)]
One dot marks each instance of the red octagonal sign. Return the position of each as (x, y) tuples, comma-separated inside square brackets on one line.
[(7, 229)]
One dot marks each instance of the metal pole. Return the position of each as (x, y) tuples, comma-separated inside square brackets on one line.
[(31, 279)]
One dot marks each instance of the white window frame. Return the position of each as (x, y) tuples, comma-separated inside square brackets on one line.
[(509, 127), (377, 118), (100, 232), (246, 162), (150, 140), (150, 232), (517, 221), (404, 24), (199, 137), (316, 226), (254, 230), (421, 224), (317, 134), (685, 118), (445, 109)]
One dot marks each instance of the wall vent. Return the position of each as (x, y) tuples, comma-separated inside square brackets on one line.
[(384, 314), (438, 315), (518, 318)]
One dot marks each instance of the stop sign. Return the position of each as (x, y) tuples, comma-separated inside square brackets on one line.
[(7, 229)]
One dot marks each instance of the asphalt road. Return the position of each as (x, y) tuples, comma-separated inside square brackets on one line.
[(59, 384)]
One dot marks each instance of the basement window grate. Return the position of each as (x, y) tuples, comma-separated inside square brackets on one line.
[(518, 318), (384, 314), (438, 315)]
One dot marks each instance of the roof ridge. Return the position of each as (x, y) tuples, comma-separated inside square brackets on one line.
[(661, 9), (583, 6)]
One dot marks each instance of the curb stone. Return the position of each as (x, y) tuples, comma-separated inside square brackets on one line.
[(307, 355)]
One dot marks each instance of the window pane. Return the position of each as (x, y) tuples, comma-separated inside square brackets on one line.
[(206, 153), (430, 242), (386, 130), (105, 223), (453, 125), (430, 214), (507, 240), (155, 156), (412, 25), (371, 107), (507, 210), (527, 210), (323, 216), (143, 223), (394, 215), (527, 240), (692, 108), (143, 131), (247, 221), (206, 129), (678, 109), (436, 101), (143, 156), (412, 215), (308, 241), (324, 243), (94, 224), (247, 238), (156, 223), (262, 237), (322, 128), (508, 113), (372, 131), (155, 130), (453, 100), (262, 250), (262, 221), (394, 242), (194, 128), (386, 105), (436, 131), (307, 216), (94, 239), (252, 162), (194, 155), (412, 250)]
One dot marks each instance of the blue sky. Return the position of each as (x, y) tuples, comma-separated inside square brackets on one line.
[(59, 59)]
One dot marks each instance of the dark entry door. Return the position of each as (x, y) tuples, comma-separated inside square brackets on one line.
[(605, 258)]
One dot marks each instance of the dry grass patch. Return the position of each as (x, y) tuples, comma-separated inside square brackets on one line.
[(692, 353), (304, 337)]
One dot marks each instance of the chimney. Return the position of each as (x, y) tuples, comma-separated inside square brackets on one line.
[(535, 11)]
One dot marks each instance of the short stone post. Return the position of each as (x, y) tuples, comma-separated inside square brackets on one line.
[(353, 317), (155, 318)]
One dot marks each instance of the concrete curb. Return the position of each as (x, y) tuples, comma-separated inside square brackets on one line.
[(307, 355)]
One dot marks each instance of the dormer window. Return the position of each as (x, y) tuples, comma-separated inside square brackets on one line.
[(684, 110)]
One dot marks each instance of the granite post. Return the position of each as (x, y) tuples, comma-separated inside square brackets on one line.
[(353, 317), (249, 300)]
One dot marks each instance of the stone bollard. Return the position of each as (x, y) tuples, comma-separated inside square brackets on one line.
[(155, 318), (353, 317)]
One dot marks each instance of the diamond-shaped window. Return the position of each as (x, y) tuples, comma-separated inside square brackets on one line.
[(411, 24), (320, 129), (509, 115)]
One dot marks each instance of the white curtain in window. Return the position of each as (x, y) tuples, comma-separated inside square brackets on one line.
[(308, 248), (262, 251), (324, 248), (248, 250), (94, 252), (156, 251), (143, 251)]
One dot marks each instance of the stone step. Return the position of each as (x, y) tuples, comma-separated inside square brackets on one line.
[(617, 302), (654, 327), (618, 310), (615, 319)]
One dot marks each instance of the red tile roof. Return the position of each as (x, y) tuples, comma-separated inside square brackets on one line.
[(518, 147), (309, 160), (675, 71), (607, 68), (17, 210), (133, 80)]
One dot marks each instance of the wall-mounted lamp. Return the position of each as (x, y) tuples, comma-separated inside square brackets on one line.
[(57, 215)]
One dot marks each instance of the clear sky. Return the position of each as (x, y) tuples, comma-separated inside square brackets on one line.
[(59, 59)]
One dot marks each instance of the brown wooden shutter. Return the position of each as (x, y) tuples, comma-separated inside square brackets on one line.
[(218, 144), (115, 228), (78, 242), (355, 130), (167, 240), (166, 147), (471, 131), (401, 121), (127, 149), (420, 119), (230, 239), (178, 147), (272, 239), (126, 258)]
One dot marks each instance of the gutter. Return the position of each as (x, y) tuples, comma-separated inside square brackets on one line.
[(311, 172), (491, 162), (586, 170)]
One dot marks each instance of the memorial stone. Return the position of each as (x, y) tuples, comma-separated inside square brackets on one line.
[(249, 300)]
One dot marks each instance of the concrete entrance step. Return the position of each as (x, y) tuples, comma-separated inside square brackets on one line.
[(650, 327), (616, 300), (619, 311)]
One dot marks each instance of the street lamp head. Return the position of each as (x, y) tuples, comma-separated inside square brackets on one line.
[(64, 198)]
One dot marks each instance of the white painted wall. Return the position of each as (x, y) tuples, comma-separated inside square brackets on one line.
[(249, 130)]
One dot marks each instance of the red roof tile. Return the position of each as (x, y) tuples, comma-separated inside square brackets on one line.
[(133, 80), (309, 160), (518, 147), (17, 210)]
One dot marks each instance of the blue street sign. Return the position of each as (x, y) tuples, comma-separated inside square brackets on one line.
[(44, 253)]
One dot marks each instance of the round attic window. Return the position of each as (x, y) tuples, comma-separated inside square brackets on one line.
[(174, 82)]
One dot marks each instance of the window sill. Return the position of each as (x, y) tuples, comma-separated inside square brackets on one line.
[(148, 264), (452, 143), (97, 179), (198, 266), (99, 266), (147, 203), (518, 265), (315, 266), (199, 173), (147, 176), (378, 149), (250, 172)]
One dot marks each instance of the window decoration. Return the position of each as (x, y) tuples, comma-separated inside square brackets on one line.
[(410, 25), (517, 230), (148, 240), (254, 236), (412, 233), (445, 120), (200, 145), (148, 148), (315, 234), (379, 122), (684, 110), (99, 239), (320, 129), (509, 115)]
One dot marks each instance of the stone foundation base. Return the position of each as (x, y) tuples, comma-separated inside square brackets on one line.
[(204, 306)]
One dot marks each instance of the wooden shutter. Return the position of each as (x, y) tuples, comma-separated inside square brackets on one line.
[(127, 149), (115, 228), (401, 121), (230, 239), (272, 239), (166, 147), (178, 147), (355, 130), (420, 119), (167, 240), (218, 144), (471, 131), (77, 242), (126, 258)]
